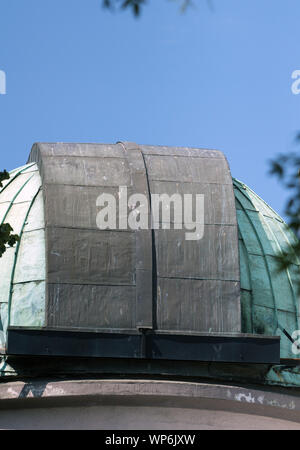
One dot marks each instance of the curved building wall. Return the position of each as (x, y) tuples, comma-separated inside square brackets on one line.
[(143, 405)]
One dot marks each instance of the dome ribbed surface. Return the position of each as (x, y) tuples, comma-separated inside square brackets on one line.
[(269, 298), (22, 267)]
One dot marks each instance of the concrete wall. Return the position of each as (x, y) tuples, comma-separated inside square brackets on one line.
[(143, 404)]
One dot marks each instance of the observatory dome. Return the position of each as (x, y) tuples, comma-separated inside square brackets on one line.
[(66, 275)]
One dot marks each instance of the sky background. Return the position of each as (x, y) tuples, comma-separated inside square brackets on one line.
[(217, 79)]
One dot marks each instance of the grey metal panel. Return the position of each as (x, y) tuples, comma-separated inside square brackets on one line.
[(93, 271), (75, 206), (198, 305), (75, 149), (91, 307), (218, 198), (90, 256), (181, 151), (81, 171), (213, 257), (187, 169), (184, 302)]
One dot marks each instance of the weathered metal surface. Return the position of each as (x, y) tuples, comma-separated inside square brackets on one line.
[(31, 265), (269, 298), (14, 187), (68, 343), (35, 219), (79, 254), (28, 304), (218, 199), (184, 302), (85, 171), (90, 257), (73, 149), (86, 267), (207, 259), (22, 268), (214, 309), (187, 169), (6, 264), (91, 307), (74, 206), (171, 346)]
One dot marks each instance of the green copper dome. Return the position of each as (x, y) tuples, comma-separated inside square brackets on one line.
[(22, 268), (269, 300)]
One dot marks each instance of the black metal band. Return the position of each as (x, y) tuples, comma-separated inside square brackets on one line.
[(147, 345)]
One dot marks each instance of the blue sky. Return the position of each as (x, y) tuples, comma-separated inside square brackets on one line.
[(220, 79)]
